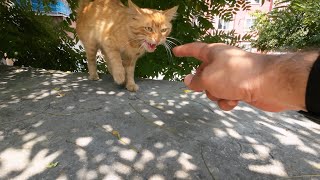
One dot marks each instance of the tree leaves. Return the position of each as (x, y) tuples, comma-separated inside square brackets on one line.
[(52, 164), (292, 25), (42, 43), (35, 40)]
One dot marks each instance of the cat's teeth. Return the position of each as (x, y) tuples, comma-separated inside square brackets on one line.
[(150, 47)]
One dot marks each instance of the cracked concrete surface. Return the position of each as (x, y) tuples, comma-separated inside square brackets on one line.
[(59, 125)]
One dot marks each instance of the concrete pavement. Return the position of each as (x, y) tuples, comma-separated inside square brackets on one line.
[(59, 125)]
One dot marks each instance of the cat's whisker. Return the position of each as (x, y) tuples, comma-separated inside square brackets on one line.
[(171, 42), (170, 45), (141, 46), (175, 39), (172, 38), (168, 49)]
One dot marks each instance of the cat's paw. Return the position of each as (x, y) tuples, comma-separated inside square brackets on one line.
[(94, 77), (119, 77), (132, 87)]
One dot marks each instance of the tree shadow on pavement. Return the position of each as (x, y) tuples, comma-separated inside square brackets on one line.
[(58, 125)]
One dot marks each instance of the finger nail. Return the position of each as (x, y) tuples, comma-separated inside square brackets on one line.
[(188, 79)]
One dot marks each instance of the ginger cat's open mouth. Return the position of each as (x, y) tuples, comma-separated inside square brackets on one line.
[(149, 46)]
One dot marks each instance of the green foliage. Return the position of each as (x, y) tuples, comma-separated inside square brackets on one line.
[(293, 25), (36, 41), (185, 30)]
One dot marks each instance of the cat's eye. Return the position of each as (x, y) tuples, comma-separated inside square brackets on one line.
[(164, 30), (149, 29)]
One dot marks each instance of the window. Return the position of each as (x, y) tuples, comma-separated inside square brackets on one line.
[(247, 47), (225, 25), (255, 1), (248, 24)]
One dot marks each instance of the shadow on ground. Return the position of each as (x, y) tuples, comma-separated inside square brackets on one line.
[(56, 125)]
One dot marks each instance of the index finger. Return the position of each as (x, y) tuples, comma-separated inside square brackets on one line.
[(197, 50)]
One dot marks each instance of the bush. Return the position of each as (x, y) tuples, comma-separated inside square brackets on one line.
[(291, 26), (35, 40)]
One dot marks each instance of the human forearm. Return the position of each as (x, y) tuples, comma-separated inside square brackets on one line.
[(286, 78)]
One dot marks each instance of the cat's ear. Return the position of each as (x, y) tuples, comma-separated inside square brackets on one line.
[(171, 13), (134, 7)]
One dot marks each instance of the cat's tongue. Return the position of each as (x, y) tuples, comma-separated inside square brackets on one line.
[(151, 47)]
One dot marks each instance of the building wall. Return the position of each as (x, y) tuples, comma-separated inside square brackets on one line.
[(243, 20), (240, 19)]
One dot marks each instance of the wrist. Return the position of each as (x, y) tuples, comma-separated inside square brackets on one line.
[(286, 77)]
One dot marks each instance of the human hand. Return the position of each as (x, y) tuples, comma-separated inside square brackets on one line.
[(229, 75)]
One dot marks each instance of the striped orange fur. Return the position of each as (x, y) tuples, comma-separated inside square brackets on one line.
[(122, 33)]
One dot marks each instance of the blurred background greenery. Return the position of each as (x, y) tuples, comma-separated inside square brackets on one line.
[(293, 25)]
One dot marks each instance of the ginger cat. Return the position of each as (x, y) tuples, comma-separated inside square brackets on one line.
[(123, 34)]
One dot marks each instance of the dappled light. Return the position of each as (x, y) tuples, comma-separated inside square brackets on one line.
[(275, 168), (60, 125)]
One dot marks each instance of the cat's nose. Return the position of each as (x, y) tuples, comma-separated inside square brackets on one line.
[(155, 41)]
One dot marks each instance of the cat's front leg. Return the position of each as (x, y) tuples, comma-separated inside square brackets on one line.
[(117, 69), (129, 68), (91, 52)]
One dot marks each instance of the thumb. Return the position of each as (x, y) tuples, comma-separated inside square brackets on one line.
[(194, 82)]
